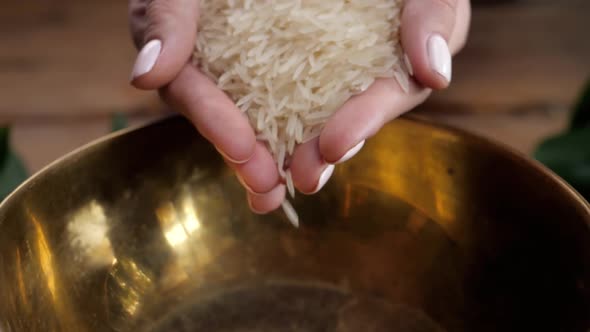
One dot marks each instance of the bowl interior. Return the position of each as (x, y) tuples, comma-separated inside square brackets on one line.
[(427, 229)]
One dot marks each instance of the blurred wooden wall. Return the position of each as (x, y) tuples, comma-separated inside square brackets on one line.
[(66, 58), (521, 54), (72, 58), (65, 64)]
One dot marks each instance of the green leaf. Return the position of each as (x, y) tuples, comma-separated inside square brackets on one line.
[(118, 122), (13, 173), (573, 146), (581, 115), (568, 155), (4, 142), (12, 170)]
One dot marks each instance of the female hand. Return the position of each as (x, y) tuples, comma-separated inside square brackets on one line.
[(432, 32), (165, 33)]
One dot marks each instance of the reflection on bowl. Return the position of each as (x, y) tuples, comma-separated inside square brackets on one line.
[(427, 229)]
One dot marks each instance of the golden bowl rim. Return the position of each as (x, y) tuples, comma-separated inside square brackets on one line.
[(495, 146)]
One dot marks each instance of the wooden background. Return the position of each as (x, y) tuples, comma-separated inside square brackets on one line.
[(64, 68)]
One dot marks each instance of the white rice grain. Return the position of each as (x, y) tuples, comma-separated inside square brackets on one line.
[(290, 185), (290, 64), (290, 213)]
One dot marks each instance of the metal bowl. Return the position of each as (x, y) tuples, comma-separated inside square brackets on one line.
[(427, 229)]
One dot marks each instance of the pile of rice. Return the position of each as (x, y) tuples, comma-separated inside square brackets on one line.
[(290, 64)]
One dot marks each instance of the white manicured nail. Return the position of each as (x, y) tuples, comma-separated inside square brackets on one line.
[(326, 174), (146, 59), (440, 56), (351, 153), (224, 155)]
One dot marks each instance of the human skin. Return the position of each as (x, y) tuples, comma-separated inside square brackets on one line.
[(164, 31)]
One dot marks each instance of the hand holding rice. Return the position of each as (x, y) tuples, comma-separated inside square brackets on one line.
[(289, 65)]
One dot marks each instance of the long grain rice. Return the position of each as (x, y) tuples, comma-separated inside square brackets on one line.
[(290, 64)]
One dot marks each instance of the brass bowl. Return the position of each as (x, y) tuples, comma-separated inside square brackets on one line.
[(427, 229)]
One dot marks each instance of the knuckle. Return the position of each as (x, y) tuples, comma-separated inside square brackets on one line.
[(150, 31), (169, 17), (137, 8), (156, 9), (159, 14), (137, 21)]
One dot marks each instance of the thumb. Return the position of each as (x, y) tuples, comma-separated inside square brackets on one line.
[(165, 31), (427, 26)]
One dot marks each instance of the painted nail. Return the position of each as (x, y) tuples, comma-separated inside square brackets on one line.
[(252, 208), (224, 155), (244, 184), (351, 153), (326, 174), (248, 188), (146, 59), (440, 56)]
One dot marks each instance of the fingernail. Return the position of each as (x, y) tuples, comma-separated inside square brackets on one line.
[(440, 56), (244, 184), (224, 155), (248, 188), (252, 208), (351, 153), (326, 174), (146, 59)]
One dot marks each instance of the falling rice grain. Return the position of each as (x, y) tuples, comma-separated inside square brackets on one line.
[(290, 213)]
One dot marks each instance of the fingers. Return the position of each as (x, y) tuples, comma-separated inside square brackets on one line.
[(214, 115), (427, 26), (165, 32), (268, 202), (309, 170), (432, 31), (259, 175), (313, 162), (363, 115), (345, 133)]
